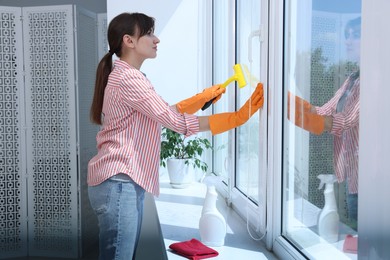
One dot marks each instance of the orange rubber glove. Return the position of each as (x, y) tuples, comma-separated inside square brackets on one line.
[(304, 118), (311, 122), (300, 104), (193, 104), (220, 123)]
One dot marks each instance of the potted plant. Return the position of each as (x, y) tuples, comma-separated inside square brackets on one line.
[(181, 156)]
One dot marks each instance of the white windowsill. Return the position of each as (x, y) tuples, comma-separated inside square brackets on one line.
[(312, 243), (179, 212)]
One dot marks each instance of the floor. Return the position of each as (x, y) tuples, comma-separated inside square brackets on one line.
[(179, 212)]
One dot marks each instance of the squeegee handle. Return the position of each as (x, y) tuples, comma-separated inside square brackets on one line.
[(223, 85), (208, 103)]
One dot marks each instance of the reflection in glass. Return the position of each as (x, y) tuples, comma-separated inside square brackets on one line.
[(221, 72), (321, 135), (248, 143)]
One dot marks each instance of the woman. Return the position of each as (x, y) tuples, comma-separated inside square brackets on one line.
[(131, 115)]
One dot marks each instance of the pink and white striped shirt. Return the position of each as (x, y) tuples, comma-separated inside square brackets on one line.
[(129, 139), (346, 133)]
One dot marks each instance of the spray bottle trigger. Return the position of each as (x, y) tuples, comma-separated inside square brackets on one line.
[(321, 184), (322, 180), (326, 179)]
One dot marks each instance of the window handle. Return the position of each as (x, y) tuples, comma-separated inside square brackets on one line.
[(253, 34)]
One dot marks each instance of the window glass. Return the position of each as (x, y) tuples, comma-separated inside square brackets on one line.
[(321, 128), (221, 72), (238, 158), (247, 138)]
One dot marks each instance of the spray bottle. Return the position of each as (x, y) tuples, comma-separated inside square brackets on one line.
[(328, 219), (212, 225)]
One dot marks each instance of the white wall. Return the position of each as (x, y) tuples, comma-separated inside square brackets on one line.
[(374, 151), (174, 73)]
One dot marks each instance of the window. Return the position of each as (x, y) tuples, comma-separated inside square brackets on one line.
[(222, 42), (239, 160), (321, 67)]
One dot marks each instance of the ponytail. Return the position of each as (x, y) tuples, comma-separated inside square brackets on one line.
[(102, 72), (126, 23)]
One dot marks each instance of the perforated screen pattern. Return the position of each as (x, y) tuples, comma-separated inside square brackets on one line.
[(50, 98), (12, 181)]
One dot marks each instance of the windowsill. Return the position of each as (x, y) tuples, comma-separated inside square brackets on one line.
[(179, 212), (301, 231)]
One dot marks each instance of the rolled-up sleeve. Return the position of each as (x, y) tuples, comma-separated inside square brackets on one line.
[(192, 124), (349, 117)]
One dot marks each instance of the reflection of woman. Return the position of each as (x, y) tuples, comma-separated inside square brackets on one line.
[(340, 117)]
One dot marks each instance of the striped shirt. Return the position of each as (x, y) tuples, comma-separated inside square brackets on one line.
[(129, 139), (346, 133)]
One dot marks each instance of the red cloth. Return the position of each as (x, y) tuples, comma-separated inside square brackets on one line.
[(350, 244), (193, 249)]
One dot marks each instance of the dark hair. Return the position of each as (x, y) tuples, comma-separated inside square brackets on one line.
[(126, 23), (355, 25)]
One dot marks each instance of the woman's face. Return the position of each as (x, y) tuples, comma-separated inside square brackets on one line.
[(352, 42), (146, 45)]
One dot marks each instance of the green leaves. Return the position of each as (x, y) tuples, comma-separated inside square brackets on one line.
[(175, 145)]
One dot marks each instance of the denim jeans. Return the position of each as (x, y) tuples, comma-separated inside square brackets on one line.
[(352, 206), (118, 203)]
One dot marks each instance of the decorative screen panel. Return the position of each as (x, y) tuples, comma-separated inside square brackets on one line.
[(325, 51), (13, 213), (51, 154), (102, 35)]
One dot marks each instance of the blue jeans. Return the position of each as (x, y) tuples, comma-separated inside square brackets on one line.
[(352, 204), (118, 203)]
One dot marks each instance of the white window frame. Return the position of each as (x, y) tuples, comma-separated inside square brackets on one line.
[(274, 239)]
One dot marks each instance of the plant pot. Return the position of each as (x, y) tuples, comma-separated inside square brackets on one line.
[(181, 175)]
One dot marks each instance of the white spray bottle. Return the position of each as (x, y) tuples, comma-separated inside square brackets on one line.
[(328, 219), (212, 225)]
